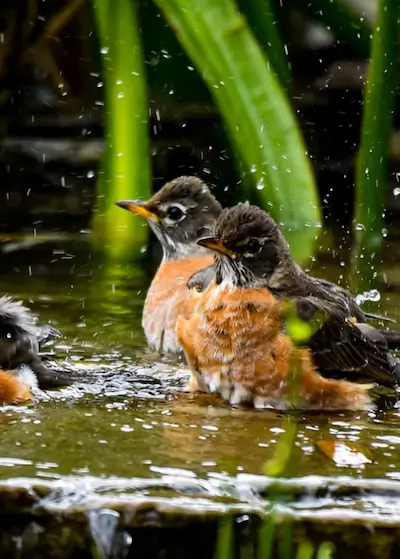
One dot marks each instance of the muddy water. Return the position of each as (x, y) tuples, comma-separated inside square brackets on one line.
[(128, 417)]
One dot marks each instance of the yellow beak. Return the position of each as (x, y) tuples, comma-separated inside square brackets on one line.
[(216, 245), (139, 208)]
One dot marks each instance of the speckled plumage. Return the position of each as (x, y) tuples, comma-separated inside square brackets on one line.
[(235, 347), (234, 340)]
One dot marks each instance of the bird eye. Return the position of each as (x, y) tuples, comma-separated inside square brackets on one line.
[(175, 213), (253, 246)]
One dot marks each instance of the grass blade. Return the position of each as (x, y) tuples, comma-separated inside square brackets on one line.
[(224, 546), (126, 166), (379, 103), (256, 111), (266, 535)]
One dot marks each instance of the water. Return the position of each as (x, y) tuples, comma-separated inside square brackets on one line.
[(127, 433)]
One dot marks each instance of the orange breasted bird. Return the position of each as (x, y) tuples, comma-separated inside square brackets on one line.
[(20, 340), (235, 340), (179, 214)]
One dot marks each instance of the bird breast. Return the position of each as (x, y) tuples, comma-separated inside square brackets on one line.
[(167, 298)]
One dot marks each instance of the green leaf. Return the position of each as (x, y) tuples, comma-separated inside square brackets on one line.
[(379, 104), (256, 111), (325, 550), (126, 164), (285, 459), (298, 330), (224, 545), (305, 550)]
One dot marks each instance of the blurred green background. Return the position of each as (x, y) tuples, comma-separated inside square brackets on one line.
[(272, 101)]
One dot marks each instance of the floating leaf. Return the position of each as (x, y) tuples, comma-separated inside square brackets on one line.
[(344, 453)]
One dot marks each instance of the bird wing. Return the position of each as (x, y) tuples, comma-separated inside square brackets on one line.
[(355, 309), (201, 280), (341, 347)]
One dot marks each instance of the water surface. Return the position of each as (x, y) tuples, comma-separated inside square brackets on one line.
[(129, 418)]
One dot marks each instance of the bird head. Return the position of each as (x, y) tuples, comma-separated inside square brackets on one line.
[(179, 214), (248, 245)]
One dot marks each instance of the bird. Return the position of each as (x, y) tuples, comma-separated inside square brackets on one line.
[(181, 212), (202, 278), (20, 341), (236, 341)]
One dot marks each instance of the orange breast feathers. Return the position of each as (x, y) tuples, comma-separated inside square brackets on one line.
[(235, 347), (167, 298), (12, 390)]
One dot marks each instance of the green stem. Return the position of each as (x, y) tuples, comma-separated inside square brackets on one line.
[(379, 103), (224, 545), (255, 109), (126, 165)]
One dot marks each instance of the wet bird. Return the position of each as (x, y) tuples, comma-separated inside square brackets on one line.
[(20, 340), (235, 340), (200, 280), (179, 214)]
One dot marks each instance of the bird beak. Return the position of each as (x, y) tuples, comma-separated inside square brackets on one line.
[(216, 245), (139, 208)]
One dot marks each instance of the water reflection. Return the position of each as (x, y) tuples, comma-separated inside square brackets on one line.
[(127, 415)]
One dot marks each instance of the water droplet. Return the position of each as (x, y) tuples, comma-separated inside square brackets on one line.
[(90, 174), (372, 295), (384, 233), (260, 184), (396, 191), (121, 95), (253, 169), (104, 50), (360, 227)]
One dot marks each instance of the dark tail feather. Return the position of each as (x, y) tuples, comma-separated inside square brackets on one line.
[(201, 280), (392, 339), (48, 378), (374, 316)]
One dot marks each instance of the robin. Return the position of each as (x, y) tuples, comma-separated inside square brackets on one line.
[(20, 340), (179, 214), (235, 341), (201, 279)]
